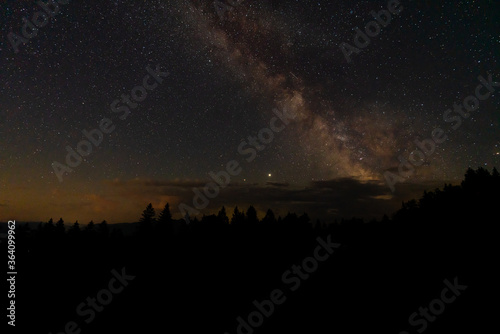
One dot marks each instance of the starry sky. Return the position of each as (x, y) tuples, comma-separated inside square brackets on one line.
[(229, 72)]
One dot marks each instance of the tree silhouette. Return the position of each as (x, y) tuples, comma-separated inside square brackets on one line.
[(165, 216), (495, 173), (165, 227), (304, 218), (238, 217), (495, 176), (444, 232), (269, 218), (148, 215), (252, 215), (186, 218), (90, 226), (222, 216), (103, 229), (49, 227), (60, 229), (75, 229), (147, 220), (90, 229)]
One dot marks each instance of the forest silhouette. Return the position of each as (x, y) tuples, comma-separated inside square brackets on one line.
[(202, 276)]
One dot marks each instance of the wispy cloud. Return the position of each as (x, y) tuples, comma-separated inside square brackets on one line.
[(342, 197)]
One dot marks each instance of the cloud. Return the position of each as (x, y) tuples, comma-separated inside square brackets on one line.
[(329, 199), (122, 200), (277, 184)]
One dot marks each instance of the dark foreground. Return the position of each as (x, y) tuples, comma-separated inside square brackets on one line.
[(433, 261)]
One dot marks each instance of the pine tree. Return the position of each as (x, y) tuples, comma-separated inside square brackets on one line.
[(222, 216), (252, 215), (148, 215), (148, 219), (90, 226), (238, 217), (49, 227), (103, 228), (269, 217), (60, 229), (75, 229), (165, 226), (495, 173), (165, 215)]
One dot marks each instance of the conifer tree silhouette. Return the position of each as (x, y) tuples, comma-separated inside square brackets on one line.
[(443, 232), (165, 216), (252, 215), (90, 229), (147, 219), (165, 227), (75, 229), (103, 229), (60, 229), (49, 227), (222, 216), (269, 218), (238, 217)]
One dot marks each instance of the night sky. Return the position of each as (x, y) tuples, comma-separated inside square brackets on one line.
[(229, 75)]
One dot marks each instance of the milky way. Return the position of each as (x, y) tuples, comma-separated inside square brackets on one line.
[(227, 73)]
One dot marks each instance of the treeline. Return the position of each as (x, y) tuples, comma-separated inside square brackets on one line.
[(203, 275)]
